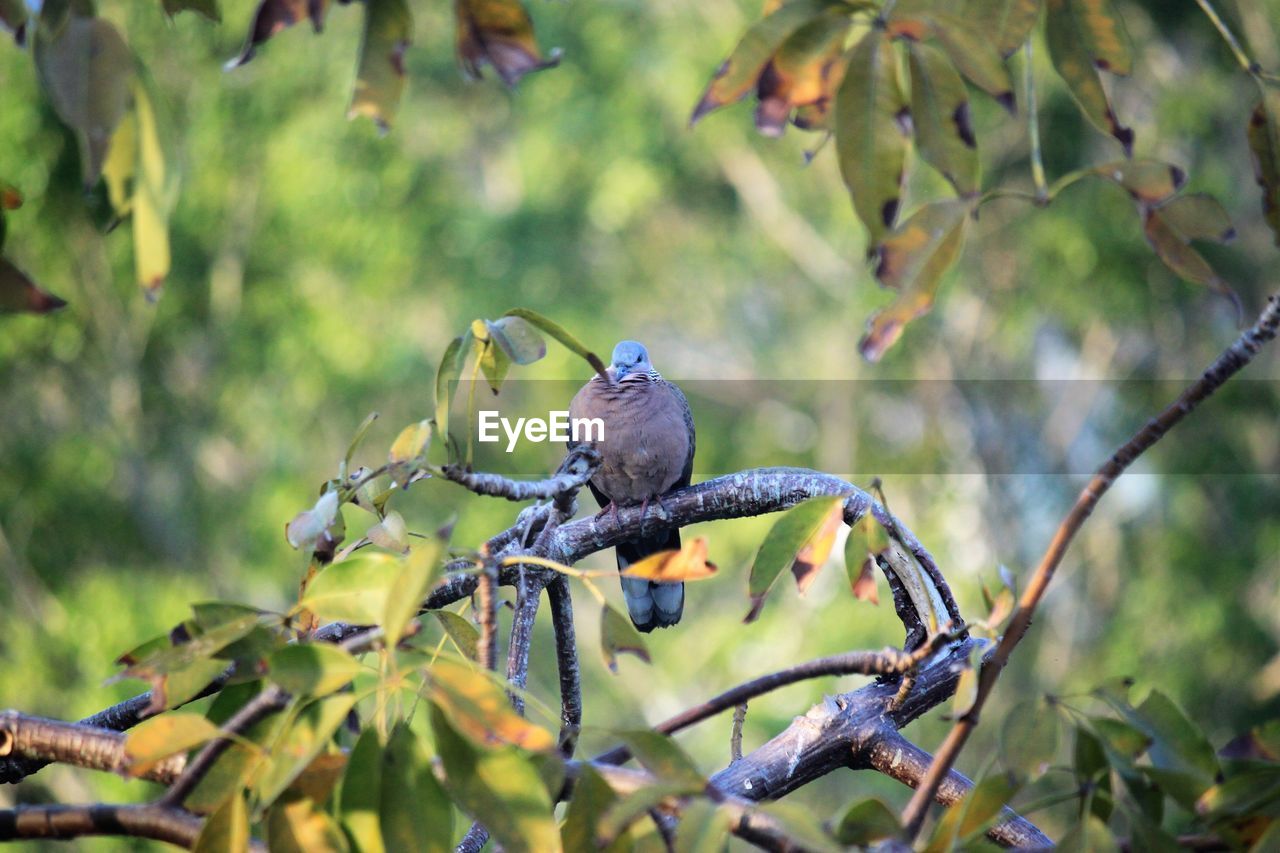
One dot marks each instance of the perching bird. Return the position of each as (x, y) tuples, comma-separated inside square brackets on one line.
[(646, 451)]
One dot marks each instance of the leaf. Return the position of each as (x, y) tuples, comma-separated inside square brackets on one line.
[(152, 198), (619, 636), (800, 73), (801, 540), (230, 773), (1147, 181), (592, 797), (226, 830), (971, 816), (273, 16), (206, 644), (390, 533), (1029, 739), (19, 294), (13, 17), (741, 71), (299, 826), (864, 584), (312, 669), (86, 69), (353, 590), (1089, 836), (409, 449), (159, 737), (478, 708), (358, 438), (1089, 760), (516, 337), (870, 144), (498, 787), (940, 116), (966, 692), (306, 526), (1073, 45), (304, 737), (865, 822), (1263, 133), (418, 573), (1241, 795), (498, 33), (415, 812), (866, 541), (450, 369), (912, 260), (1198, 216), (1178, 744), (799, 825), (1102, 34), (561, 335), (1174, 250), (1010, 20), (628, 809), (663, 757), (462, 632), (360, 799), (207, 8), (388, 31), (970, 48), (688, 564)]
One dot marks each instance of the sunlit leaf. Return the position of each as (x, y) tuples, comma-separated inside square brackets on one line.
[(312, 669), (305, 736), (388, 30), (360, 798), (912, 260), (801, 540), (966, 692), (1029, 738), (866, 541), (1264, 145), (204, 645), (415, 813), (231, 772), (306, 526), (19, 294), (153, 193), (500, 788), (870, 142), (663, 757), (498, 33), (86, 69), (226, 830), (273, 16), (940, 116), (461, 631), (478, 708), (353, 590), (619, 636), (865, 822), (299, 826), (1076, 45), (688, 564), (801, 72), (409, 589), (390, 533), (162, 736), (207, 8), (408, 451)]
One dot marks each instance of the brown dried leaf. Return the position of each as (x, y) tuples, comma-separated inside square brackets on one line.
[(688, 564), (498, 33), (19, 294), (274, 16)]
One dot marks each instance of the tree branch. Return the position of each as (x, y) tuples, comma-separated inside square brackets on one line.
[(1223, 368), (558, 593), (44, 740), (574, 472), (148, 821)]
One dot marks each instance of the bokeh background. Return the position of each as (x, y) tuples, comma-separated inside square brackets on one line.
[(150, 454)]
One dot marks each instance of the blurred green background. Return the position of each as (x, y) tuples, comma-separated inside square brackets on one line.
[(150, 455)]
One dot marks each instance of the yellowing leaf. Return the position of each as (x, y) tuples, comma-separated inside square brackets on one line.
[(1010, 20), (305, 736), (1147, 181), (869, 140), (408, 451), (226, 830), (388, 30), (687, 564), (1264, 146), (912, 261), (801, 540), (480, 709), (152, 198), (498, 33), (619, 636), (940, 116), (158, 738), (274, 16), (802, 71), (418, 573), (1074, 44)]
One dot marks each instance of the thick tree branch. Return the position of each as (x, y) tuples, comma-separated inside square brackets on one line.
[(567, 666), (45, 740), (1227, 365), (149, 821)]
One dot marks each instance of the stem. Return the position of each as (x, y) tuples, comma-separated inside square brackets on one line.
[(1247, 64), (1235, 357), (1033, 128)]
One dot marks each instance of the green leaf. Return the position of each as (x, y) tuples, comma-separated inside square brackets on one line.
[(801, 540), (663, 757), (498, 787), (388, 30), (1010, 20), (312, 669), (204, 645), (870, 144), (1198, 216), (226, 830), (494, 364), (703, 828), (415, 813), (1089, 836), (1092, 769), (1246, 794), (560, 334), (741, 71), (940, 116), (1175, 251), (1146, 181), (1029, 738), (460, 630), (158, 738), (353, 590), (86, 69), (628, 809), (304, 737), (517, 339), (912, 261), (1072, 48), (418, 573), (19, 294), (361, 432), (1178, 746), (498, 33), (799, 825), (592, 797), (478, 708), (977, 57), (360, 799), (450, 369), (971, 816), (619, 636), (1263, 133), (866, 822), (207, 8), (230, 773), (865, 542), (1101, 33)]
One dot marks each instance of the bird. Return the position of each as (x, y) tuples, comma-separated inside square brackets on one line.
[(646, 450)]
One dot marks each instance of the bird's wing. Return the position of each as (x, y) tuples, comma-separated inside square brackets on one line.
[(683, 403)]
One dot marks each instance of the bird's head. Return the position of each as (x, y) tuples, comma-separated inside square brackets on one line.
[(629, 357)]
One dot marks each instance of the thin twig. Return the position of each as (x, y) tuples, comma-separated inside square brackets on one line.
[(56, 821), (1235, 357), (1242, 58), (487, 609), (575, 471), (735, 735)]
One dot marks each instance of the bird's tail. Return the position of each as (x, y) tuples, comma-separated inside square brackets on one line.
[(651, 605)]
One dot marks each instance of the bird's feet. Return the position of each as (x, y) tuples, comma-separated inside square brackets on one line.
[(610, 508), (644, 511)]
